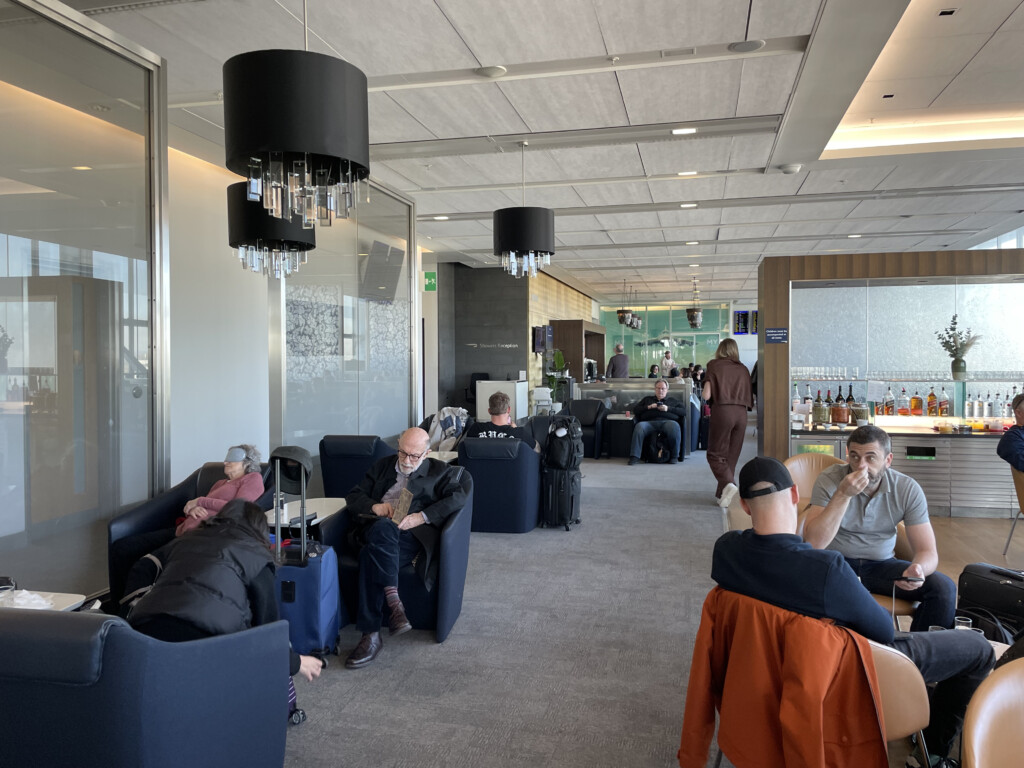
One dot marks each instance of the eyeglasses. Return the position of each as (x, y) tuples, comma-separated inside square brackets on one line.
[(414, 456)]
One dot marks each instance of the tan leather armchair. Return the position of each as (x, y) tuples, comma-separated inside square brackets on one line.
[(903, 693), (804, 468), (1018, 484), (992, 736)]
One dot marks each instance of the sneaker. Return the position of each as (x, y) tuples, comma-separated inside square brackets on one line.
[(728, 494), (633, 460)]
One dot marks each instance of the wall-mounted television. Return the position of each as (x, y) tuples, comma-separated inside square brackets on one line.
[(543, 338)]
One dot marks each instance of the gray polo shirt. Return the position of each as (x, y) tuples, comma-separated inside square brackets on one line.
[(868, 529)]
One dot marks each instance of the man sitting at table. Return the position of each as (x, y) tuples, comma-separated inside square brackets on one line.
[(770, 562), (658, 413), (854, 510), (385, 547), (499, 406)]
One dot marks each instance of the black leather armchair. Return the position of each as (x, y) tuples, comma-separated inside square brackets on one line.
[(345, 459), (590, 414), (438, 609), (506, 474), (119, 698), (161, 511)]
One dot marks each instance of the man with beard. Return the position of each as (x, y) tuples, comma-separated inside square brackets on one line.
[(854, 510)]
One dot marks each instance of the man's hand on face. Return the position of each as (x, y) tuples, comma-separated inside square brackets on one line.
[(854, 483), (382, 510)]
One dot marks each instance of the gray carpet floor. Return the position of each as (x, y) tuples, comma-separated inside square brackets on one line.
[(572, 648)]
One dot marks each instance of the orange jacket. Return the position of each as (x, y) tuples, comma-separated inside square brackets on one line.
[(792, 691)]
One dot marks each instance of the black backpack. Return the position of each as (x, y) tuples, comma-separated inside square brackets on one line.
[(564, 451), (659, 448)]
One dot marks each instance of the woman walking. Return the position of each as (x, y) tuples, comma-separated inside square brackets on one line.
[(727, 389)]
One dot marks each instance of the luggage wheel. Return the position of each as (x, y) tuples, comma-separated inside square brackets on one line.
[(297, 717)]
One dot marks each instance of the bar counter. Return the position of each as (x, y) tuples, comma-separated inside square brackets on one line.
[(961, 475)]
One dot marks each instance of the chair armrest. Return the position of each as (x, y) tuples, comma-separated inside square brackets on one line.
[(453, 562), (154, 514), (333, 531)]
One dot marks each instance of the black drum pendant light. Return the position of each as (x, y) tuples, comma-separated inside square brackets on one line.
[(524, 237), (265, 244), (296, 127)]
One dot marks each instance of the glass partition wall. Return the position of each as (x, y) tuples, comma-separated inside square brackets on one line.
[(665, 327), (348, 327), (78, 239)]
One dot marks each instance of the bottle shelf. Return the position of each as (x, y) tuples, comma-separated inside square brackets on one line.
[(938, 377)]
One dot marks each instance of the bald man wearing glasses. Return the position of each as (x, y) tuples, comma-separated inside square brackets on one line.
[(384, 546)]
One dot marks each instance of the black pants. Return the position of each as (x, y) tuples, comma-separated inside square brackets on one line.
[(385, 551), (125, 552)]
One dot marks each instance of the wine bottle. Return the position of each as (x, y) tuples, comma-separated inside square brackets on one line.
[(849, 395), (903, 405), (933, 403), (807, 396), (840, 412), (916, 405), (819, 413), (944, 403)]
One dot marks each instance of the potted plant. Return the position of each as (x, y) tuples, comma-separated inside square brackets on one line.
[(957, 344), (556, 374)]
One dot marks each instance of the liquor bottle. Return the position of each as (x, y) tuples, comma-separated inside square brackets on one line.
[(889, 403), (986, 407), (849, 395), (1008, 406), (933, 403), (997, 406), (796, 397), (807, 396), (820, 412), (840, 411), (828, 399), (979, 407), (944, 403), (969, 407), (903, 405), (916, 405)]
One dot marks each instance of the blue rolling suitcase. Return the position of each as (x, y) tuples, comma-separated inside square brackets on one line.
[(308, 595)]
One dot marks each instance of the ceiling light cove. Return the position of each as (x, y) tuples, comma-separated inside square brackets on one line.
[(683, 131), (693, 242), (440, 218), (687, 205), (687, 173)]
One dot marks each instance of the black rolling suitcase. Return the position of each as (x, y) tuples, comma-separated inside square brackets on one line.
[(703, 430), (992, 597), (560, 491)]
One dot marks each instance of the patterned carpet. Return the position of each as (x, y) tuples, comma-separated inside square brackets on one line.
[(572, 649)]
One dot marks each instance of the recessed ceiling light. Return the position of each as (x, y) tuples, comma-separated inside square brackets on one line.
[(695, 265), (382, 287), (687, 173), (683, 131), (687, 205), (854, 236), (693, 242), (746, 46), (81, 167), (492, 72), (440, 218)]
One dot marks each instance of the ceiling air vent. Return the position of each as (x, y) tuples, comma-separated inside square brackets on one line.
[(948, 11)]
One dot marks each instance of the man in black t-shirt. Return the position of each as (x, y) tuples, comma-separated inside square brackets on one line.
[(501, 425)]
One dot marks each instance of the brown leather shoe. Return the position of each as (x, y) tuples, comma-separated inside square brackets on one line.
[(365, 652), (399, 623)]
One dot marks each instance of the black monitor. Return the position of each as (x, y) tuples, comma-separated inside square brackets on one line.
[(379, 272)]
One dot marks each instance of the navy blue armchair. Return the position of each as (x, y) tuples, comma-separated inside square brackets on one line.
[(85, 690), (345, 459), (506, 475), (591, 414), (161, 512), (437, 609)]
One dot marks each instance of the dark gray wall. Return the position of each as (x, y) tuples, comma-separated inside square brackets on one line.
[(491, 334), (447, 392)]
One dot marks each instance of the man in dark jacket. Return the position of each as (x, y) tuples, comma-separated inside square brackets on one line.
[(386, 543), (658, 413)]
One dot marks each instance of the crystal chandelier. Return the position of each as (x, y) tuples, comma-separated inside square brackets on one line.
[(296, 126), (524, 237), (265, 244)]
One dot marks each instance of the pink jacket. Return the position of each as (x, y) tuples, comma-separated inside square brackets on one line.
[(249, 487)]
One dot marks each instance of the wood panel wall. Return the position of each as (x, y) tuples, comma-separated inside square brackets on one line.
[(775, 276), (551, 299)]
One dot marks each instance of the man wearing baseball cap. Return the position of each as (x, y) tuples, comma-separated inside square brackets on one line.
[(770, 562)]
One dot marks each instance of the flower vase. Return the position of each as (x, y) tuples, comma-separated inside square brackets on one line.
[(959, 369)]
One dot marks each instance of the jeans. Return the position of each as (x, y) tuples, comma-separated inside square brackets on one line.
[(665, 426), (957, 661), (386, 551), (937, 594)]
